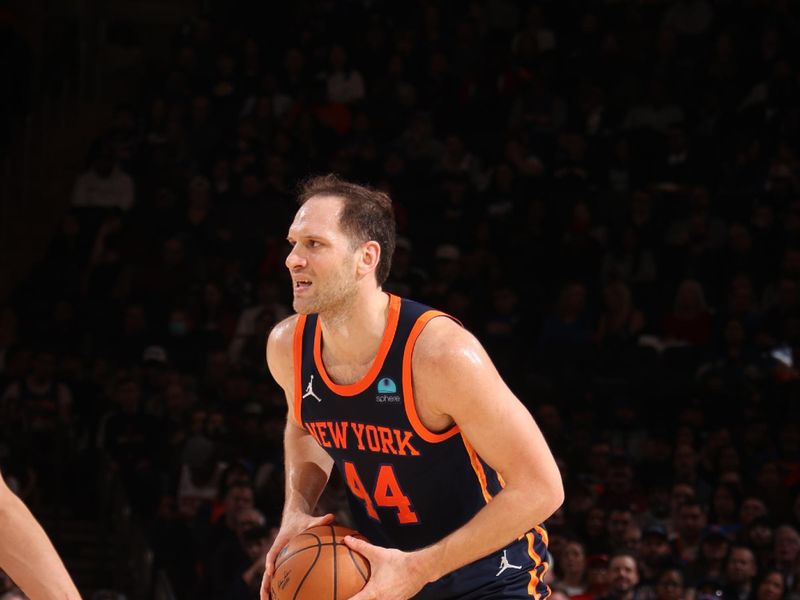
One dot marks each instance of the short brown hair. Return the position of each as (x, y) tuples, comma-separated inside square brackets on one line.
[(367, 214)]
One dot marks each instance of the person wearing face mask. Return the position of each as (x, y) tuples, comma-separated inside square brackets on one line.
[(182, 343)]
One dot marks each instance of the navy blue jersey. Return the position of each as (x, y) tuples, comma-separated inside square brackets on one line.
[(408, 487)]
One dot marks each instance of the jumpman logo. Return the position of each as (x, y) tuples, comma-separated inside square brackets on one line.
[(310, 390), (504, 564)]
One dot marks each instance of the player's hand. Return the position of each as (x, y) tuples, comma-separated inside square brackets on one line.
[(394, 575), (291, 525)]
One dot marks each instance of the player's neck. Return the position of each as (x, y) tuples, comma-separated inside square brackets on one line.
[(354, 333)]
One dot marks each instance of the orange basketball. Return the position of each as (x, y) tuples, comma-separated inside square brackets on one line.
[(316, 565)]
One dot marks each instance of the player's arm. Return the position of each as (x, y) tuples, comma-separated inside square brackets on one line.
[(453, 376), (27, 555), (457, 378), (307, 465)]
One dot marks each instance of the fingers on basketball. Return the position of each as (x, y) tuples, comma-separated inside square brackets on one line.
[(318, 565)]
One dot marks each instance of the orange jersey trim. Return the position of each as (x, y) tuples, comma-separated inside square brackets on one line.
[(538, 563), (408, 384), (478, 468), (377, 364), (297, 350)]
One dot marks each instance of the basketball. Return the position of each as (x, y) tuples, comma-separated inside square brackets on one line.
[(317, 565)]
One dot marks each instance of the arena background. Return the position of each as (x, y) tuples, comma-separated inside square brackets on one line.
[(605, 193)]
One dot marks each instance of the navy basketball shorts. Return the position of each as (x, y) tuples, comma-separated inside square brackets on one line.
[(513, 573)]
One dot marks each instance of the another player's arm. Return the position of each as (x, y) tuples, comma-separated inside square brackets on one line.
[(453, 376), (27, 555), (307, 465)]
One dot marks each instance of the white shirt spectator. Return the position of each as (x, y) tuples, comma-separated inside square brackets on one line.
[(689, 17), (113, 191), (246, 326), (345, 87)]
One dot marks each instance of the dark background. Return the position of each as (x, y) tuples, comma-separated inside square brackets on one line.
[(605, 193)]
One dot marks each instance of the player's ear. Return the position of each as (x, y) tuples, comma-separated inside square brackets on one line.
[(369, 257)]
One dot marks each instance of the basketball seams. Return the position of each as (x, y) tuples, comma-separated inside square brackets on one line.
[(308, 572), (303, 549), (333, 539), (294, 552), (335, 543), (357, 566)]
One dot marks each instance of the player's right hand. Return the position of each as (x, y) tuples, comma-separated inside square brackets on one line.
[(291, 525)]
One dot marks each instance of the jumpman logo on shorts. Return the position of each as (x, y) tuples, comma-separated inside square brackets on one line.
[(310, 390), (504, 564)]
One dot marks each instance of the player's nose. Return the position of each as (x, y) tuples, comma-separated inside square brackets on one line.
[(294, 259)]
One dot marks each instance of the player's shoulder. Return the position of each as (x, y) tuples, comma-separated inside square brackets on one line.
[(281, 339), (445, 343), (280, 353), (283, 332)]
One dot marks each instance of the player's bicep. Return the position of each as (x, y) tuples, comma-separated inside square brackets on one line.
[(279, 355), (464, 383)]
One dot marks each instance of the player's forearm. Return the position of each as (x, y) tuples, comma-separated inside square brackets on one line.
[(27, 555), (308, 468), (509, 515)]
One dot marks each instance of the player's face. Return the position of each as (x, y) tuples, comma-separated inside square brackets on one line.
[(322, 261)]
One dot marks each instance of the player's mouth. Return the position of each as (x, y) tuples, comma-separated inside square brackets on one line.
[(301, 285)]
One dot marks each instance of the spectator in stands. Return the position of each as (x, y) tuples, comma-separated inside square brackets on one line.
[(710, 563), (620, 322), (200, 470), (670, 584), (787, 551), (38, 402), (571, 569), (234, 499), (690, 320), (740, 573), (620, 520), (104, 185), (594, 531), (345, 84), (267, 296), (692, 520), (758, 535), (655, 553), (772, 586), (725, 502), (232, 556), (686, 469), (752, 508), (568, 330), (623, 577)]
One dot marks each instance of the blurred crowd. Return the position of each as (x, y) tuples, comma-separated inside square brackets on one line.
[(605, 193)]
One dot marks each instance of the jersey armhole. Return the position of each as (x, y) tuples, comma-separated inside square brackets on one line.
[(408, 382), (297, 353)]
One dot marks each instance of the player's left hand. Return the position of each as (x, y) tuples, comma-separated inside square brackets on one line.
[(395, 575)]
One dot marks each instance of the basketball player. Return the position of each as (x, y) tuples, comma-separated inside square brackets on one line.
[(447, 474), (27, 555)]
